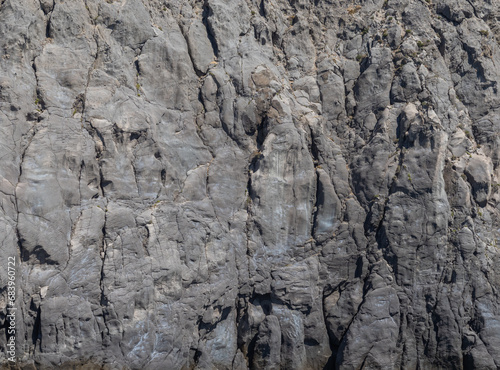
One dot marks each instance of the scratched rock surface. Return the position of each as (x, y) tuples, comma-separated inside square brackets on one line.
[(251, 184)]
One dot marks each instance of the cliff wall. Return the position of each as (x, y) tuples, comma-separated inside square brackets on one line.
[(264, 184)]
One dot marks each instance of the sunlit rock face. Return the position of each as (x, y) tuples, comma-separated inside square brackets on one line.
[(248, 184)]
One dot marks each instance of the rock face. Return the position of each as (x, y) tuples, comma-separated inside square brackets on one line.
[(243, 184)]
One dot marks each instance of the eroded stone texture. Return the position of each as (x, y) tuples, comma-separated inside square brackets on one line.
[(251, 184)]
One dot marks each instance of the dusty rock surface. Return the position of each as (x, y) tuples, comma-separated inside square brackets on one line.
[(251, 184)]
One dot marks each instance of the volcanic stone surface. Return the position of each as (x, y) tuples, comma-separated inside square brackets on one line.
[(251, 184)]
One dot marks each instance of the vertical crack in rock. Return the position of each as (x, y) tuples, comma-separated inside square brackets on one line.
[(207, 13)]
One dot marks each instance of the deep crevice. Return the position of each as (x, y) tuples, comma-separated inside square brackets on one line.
[(103, 299), (262, 9), (207, 13), (36, 334)]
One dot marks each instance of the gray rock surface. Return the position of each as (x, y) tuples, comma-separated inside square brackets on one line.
[(251, 184)]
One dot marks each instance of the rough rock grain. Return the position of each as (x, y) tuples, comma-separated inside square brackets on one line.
[(251, 184)]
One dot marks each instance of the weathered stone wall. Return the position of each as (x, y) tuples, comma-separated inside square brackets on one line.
[(263, 184)]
